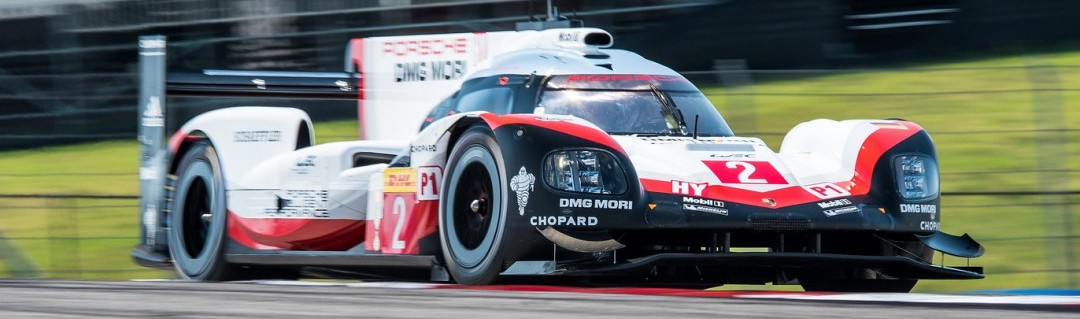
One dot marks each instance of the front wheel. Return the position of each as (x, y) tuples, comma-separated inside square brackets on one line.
[(197, 218), (472, 217)]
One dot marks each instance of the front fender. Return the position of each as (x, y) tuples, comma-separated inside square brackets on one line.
[(526, 140)]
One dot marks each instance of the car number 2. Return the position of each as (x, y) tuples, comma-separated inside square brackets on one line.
[(745, 172), (400, 210)]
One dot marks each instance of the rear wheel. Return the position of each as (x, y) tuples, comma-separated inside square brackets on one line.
[(197, 218), (472, 219)]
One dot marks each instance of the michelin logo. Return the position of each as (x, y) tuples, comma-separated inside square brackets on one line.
[(840, 211), (522, 185), (705, 209)]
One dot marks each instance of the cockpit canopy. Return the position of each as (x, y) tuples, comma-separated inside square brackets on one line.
[(618, 104), (634, 104)]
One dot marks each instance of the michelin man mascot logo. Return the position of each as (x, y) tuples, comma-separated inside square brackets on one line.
[(522, 184)]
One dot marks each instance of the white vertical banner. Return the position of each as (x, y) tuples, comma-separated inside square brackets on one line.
[(151, 135)]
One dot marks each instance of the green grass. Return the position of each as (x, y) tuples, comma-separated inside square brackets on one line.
[(1009, 227)]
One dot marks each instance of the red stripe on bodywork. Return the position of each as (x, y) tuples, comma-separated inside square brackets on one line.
[(883, 139), (569, 128), (875, 145), (295, 233)]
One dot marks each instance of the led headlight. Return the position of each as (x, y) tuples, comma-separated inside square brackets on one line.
[(916, 177), (584, 171)]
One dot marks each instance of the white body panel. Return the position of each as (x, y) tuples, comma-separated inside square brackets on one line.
[(824, 150), (819, 151), (245, 136), (313, 182), (681, 159)]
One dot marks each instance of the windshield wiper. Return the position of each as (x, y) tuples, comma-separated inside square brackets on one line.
[(672, 115)]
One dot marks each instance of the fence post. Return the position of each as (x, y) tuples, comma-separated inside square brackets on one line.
[(1052, 158)]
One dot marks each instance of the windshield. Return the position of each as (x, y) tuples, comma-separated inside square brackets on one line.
[(648, 111)]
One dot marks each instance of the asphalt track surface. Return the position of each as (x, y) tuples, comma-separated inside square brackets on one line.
[(174, 299)]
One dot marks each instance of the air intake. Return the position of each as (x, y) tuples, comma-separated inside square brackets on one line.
[(778, 224), (598, 39)]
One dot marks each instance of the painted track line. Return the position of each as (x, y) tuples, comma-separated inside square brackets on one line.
[(931, 298), (904, 298)]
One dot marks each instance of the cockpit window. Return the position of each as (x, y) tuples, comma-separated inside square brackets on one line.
[(635, 106), (495, 100)]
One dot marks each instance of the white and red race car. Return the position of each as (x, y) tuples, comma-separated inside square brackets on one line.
[(487, 156)]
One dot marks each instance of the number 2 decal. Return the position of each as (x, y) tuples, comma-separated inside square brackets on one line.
[(392, 230), (399, 210), (745, 172)]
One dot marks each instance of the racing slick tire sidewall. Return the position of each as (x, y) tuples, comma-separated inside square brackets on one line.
[(480, 265), (199, 174)]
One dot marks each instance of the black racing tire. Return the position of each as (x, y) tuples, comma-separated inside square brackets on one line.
[(471, 240), (197, 220), (868, 280)]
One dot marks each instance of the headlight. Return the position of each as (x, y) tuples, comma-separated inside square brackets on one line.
[(916, 177), (584, 171)]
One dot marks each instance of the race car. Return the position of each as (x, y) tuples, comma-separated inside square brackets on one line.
[(537, 154)]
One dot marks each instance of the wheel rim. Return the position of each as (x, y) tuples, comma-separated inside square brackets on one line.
[(471, 234), (196, 204), (471, 226)]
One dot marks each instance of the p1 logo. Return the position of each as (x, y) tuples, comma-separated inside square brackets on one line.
[(826, 190), (430, 179)]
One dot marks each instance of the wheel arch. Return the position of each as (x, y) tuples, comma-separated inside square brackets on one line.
[(244, 136)]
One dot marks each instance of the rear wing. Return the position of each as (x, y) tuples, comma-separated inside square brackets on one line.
[(263, 84)]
